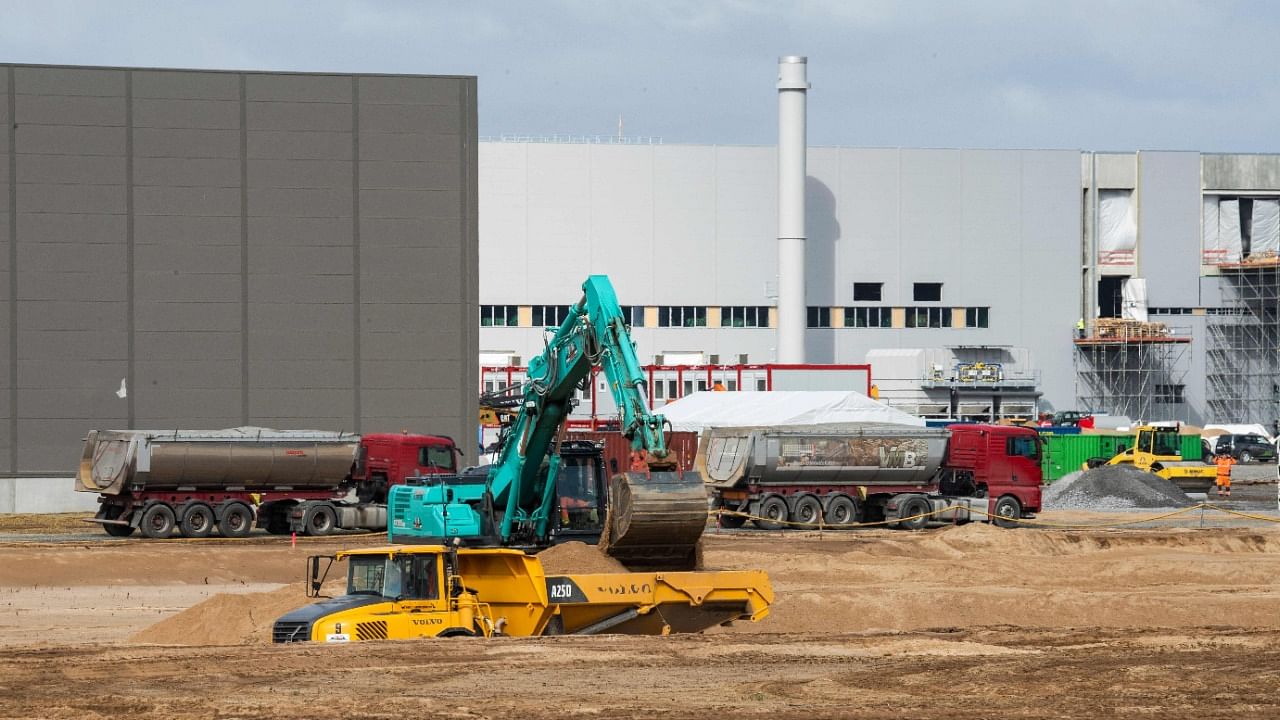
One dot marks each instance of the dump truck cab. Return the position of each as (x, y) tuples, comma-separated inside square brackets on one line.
[(402, 592)]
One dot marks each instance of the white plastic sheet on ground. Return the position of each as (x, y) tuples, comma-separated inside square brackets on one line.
[(1134, 292), (1265, 230), (1117, 227), (1229, 230), (798, 407)]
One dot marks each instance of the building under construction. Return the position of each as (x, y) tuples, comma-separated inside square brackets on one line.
[(1136, 369), (1243, 357)]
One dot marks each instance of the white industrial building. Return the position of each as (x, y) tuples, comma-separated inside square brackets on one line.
[(931, 265)]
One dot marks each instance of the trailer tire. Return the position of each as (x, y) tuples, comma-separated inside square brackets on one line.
[(842, 511), (237, 520), (773, 513), (1006, 512), (197, 521), (319, 520), (808, 512), (910, 508), (731, 522), (114, 512), (157, 521)]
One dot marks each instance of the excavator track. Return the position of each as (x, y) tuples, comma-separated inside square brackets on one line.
[(656, 519)]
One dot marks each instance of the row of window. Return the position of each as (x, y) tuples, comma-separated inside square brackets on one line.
[(746, 316)]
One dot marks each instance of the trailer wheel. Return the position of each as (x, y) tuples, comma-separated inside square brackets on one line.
[(114, 512), (237, 521), (808, 514), (197, 521), (773, 513), (1007, 512), (914, 508), (731, 522), (157, 521), (319, 520), (841, 511)]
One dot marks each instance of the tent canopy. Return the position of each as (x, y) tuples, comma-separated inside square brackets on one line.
[(799, 407)]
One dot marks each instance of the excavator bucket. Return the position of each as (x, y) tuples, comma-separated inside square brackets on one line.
[(656, 519)]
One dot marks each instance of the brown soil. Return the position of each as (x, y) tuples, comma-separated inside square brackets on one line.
[(47, 523), (576, 557), (969, 621)]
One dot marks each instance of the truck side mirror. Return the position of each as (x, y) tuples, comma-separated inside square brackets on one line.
[(319, 570)]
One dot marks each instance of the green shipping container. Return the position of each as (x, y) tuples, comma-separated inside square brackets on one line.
[(1067, 453)]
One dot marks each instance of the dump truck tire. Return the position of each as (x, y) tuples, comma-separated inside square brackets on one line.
[(841, 511), (773, 513), (910, 508), (1007, 511), (157, 521), (197, 521), (808, 512), (319, 520), (237, 521)]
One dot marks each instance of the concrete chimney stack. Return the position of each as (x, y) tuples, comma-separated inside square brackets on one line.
[(793, 88)]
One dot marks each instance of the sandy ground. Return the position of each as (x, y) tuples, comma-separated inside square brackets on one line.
[(967, 621)]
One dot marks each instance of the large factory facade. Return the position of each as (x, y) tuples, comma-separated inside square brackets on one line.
[(190, 249), (961, 276)]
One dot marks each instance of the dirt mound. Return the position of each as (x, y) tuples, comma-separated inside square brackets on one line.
[(226, 619), (577, 558), (1113, 487)]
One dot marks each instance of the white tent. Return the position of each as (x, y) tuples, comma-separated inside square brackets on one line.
[(800, 407)]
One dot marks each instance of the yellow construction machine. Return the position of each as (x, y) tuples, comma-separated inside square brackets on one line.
[(1156, 449), (401, 592)]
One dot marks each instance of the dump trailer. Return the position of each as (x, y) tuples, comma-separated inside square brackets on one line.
[(403, 591), (199, 481), (1158, 449), (841, 474)]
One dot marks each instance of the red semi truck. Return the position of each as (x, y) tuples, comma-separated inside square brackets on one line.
[(843, 474), (199, 481)]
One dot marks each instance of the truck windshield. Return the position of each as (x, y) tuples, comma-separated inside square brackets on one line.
[(403, 576), (436, 456)]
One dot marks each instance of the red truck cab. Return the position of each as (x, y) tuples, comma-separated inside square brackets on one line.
[(1004, 460), (386, 459)]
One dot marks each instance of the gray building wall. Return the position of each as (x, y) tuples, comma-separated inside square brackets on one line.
[(697, 225), (288, 250)]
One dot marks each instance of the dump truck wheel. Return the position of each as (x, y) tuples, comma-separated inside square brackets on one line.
[(773, 510), (157, 521), (1007, 511), (236, 522), (808, 513), (319, 520), (197, 521), (841, 511), (910, 508), (115, 512), (118, 530)]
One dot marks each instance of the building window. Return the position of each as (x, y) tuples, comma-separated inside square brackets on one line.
[(927, 292), (976, 317), (549, 315), (682, 316), (1170, 394), (928, 317), (819, 317), (498, 316), (867, 292), (752, 316), (633, 315), (874, 317)]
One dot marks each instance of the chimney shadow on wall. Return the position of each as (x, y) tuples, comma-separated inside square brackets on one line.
[(823, 229)]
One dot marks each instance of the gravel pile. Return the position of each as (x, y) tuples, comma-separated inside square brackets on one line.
[(1113, 487)]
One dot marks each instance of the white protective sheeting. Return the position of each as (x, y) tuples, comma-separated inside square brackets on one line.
[(799, 407), (1229, 230), (1211, 249), (1117, 227), (1265, 230), (1134, 291), (1217, 429)]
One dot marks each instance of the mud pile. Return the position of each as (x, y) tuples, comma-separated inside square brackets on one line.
[(1113, 487), (577, 558), (226, 619)]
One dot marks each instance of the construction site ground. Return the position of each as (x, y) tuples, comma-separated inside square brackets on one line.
[(1175, 621)]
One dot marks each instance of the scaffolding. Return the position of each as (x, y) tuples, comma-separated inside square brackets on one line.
[(1133, 369), (1243, 358)]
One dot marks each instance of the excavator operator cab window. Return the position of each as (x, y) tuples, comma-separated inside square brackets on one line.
[(576, 486)]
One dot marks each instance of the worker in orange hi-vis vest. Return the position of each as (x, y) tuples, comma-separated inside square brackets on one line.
[(1224, 461)]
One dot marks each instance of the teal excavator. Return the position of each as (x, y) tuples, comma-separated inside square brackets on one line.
[(650, 515)]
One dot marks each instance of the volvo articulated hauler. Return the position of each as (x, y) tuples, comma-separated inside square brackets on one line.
[(303, 481), (842, 474), (411, 591)]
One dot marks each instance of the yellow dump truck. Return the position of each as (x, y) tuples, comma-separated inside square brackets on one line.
[(1156, 449), (410, 591)]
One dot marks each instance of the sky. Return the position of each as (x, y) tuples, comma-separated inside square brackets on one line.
[(1118, 75)]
